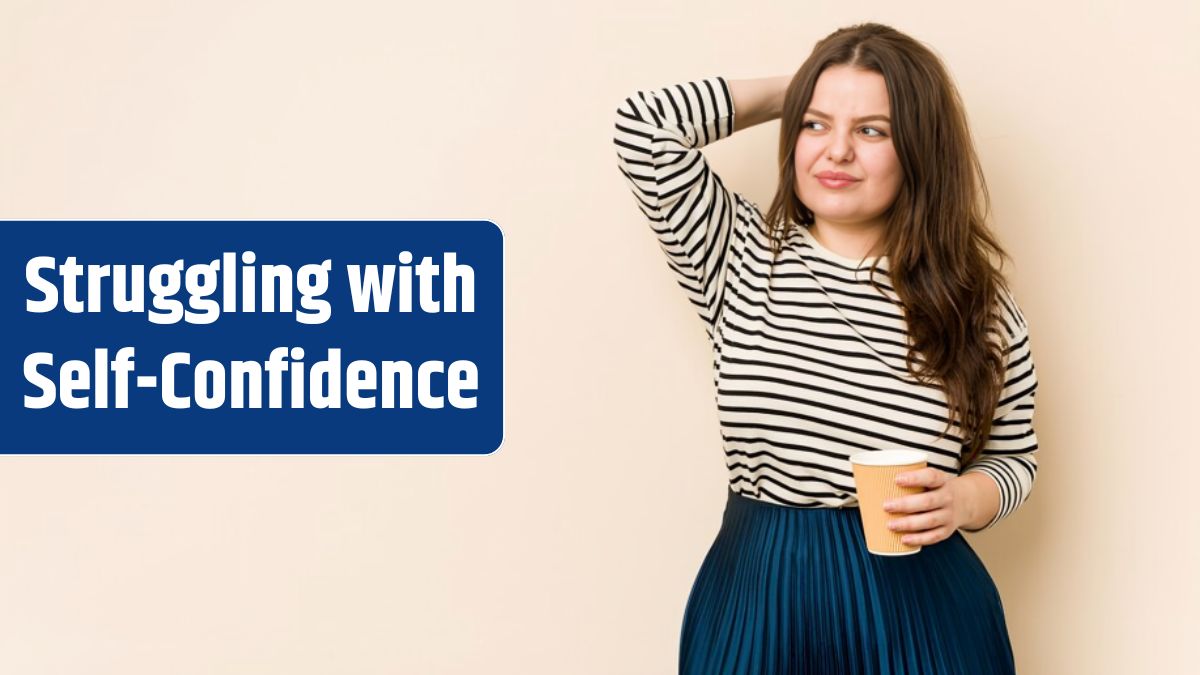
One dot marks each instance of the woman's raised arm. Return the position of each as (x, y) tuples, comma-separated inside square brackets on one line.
[(658, 135), (758, 100)]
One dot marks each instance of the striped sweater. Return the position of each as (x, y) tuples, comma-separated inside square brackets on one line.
[(808, 357)]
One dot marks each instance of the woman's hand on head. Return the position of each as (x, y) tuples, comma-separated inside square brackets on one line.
[(930, 516)]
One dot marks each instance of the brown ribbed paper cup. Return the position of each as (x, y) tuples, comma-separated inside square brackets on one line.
[(875, 474)]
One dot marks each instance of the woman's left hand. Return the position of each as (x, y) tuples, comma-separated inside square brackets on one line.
[(935, 514)]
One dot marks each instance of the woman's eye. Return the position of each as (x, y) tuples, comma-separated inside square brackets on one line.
[(878, 133)]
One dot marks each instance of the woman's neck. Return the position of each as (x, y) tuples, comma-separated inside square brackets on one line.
[(850, 241)]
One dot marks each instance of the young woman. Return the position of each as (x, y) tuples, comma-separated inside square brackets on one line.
[(863, 311)]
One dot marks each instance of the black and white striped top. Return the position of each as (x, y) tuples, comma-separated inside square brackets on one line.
[(808, 357)]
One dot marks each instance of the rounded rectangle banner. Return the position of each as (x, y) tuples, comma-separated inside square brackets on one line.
[(253, 337)]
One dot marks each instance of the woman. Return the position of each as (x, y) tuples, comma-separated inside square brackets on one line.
[(861, 312)]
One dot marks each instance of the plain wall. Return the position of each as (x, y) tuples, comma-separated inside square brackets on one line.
[(573, 548)]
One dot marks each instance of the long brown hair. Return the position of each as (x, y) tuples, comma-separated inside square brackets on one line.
[(937, 240)]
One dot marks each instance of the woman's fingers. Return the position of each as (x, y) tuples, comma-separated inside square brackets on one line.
[(922, 522), (925, 501), (934, 507), (929, 477), (926, 538)]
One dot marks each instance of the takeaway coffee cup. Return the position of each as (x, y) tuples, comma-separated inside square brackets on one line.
[(875, 474)]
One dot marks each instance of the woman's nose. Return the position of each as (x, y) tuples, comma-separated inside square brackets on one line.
[(840, 148)]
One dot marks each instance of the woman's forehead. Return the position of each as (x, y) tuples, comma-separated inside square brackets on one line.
[(845, 92)]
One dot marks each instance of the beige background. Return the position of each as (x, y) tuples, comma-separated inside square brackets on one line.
[(573, 548)]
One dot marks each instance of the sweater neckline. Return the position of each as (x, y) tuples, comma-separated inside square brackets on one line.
[(841, 260)]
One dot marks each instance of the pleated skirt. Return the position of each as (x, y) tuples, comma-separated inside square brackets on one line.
[(786, 590)]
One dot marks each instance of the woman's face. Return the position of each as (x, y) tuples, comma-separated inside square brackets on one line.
[(847, 129)]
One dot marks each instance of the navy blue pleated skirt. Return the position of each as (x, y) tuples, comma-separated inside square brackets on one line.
[(788, 590)]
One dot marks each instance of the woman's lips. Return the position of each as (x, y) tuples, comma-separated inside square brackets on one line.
[(835, 183)]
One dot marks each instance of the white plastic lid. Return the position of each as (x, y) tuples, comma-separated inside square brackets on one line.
[(889, 457)]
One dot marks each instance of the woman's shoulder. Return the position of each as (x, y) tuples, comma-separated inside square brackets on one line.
[(750, 214), (1009, 313)]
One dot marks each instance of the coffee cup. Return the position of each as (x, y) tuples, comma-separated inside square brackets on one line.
[(875, 474)]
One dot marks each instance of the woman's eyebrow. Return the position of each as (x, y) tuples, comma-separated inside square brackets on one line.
[(868, 118)]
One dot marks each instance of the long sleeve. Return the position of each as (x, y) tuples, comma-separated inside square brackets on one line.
[(1010, 455), (658, 136)]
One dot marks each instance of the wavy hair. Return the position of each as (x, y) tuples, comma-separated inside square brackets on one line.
[(937, 240)]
